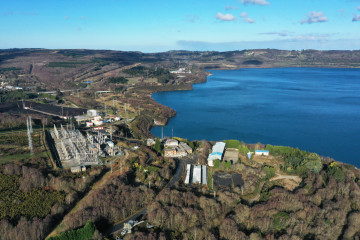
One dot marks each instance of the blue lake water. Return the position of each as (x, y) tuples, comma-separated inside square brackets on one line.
[(315, 109)]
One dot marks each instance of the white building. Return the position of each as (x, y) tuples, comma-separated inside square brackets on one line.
[(97, 121), (196, 174), (92, 113), (187, 178), (217, 153), (171, 143), (262, 152)]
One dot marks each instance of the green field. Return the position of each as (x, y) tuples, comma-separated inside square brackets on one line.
[(15, 147)]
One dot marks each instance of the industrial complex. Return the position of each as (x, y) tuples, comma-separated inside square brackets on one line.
[(76, 151)]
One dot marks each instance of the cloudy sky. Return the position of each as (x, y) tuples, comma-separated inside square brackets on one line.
[(161, 25)]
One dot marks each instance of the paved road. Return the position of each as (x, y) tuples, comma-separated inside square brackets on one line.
[(177, 176)]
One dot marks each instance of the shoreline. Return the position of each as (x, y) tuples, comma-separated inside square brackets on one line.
[(207, 73), (211, 74)]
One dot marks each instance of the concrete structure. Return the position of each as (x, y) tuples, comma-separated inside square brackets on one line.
[(196, 174), (203, 175), (232, 155), (262, 152), (171, 143), (217, 153), (187, 178)]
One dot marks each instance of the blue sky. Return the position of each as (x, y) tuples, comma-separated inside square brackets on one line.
[(159, 25)]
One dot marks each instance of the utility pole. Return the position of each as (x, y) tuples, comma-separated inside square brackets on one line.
[(113, 102), (105, 111), (162, 132)]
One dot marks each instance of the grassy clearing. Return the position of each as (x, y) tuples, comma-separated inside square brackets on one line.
[(14, 147)]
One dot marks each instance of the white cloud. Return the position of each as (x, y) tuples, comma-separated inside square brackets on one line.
[(356, 18), (67, 17), (358, 8), (315, 17), (280, 34), (243, 14), (225, 17), (249, 20), (257, 2), (246, 17), (227, 8)]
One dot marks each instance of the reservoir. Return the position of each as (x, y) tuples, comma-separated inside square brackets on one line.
[(314, 109)]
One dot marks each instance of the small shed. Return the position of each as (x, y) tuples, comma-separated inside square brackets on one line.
[(262, 152)]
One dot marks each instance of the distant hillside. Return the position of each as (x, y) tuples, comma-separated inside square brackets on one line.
[(53, 69)]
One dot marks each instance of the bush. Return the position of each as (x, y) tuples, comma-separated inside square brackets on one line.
[(217, 163), (336, 171), (243, 149), (280, 220), (270, 172)]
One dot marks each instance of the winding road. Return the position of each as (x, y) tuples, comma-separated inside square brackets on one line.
[(177, 176)]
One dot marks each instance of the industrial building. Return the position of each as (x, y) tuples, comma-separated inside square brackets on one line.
[(217, 153), (261, 152), (196, 174), (196, 178), (73, 149), (175, 149)]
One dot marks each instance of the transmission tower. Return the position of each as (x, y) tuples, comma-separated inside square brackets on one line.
[(30, 123), (29, 130)]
